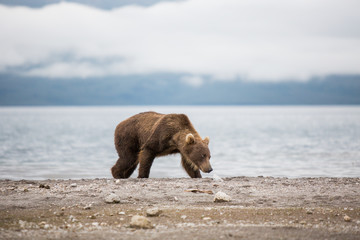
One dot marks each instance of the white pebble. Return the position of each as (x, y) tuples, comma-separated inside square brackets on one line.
[(112, 198), (347, 218), (140, 222), (217, 178), (153, 212), (222, 197), (87, 207)]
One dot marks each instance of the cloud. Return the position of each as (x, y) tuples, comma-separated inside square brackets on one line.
[(194, 81), (261, 40)]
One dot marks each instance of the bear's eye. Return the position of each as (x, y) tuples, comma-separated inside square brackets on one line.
[(203, 155)]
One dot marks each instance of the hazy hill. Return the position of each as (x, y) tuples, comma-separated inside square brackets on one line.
[(170, 90)]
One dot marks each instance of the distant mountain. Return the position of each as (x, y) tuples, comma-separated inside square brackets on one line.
[(168, 89)]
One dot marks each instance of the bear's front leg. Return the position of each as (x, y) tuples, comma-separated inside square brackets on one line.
[(146, 158)]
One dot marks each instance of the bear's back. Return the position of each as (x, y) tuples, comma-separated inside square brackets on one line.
[(136, 130), (138, 126)]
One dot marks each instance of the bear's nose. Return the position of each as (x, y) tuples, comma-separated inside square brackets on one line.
[(210, 169)]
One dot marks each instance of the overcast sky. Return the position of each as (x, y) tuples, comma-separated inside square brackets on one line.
[(255, 40)]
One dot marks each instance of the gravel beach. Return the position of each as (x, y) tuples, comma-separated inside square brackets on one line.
[(253, 208)]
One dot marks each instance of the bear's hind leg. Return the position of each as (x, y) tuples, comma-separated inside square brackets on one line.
[(123, 168), (189, 169)]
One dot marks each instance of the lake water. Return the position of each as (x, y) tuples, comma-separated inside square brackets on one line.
[(77, 142)]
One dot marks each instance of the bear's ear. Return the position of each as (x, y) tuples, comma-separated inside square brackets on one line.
[(207, 140), (189, 138)]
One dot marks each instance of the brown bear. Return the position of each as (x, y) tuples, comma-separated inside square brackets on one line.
[(142, 137)]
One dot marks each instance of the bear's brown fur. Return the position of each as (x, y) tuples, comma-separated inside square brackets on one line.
[(142, 137)]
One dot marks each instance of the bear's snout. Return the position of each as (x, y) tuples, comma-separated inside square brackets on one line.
[(206, 168), (210, 170)]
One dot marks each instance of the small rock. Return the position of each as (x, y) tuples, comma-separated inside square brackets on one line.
[(217, 178), (140, 222), (222, 197), (206, 218), (63, 209), (44, 186), (347, 218), (95, 224), (121, 213), (22, 224), (176, 199), (153, 212), (302, 222), (92, 217), (183, 217), (112, 198), (72, 218), (87, 207), (309, 211), (73, 185), (199, 191), (42, 223), (59, 214), (117, 181)]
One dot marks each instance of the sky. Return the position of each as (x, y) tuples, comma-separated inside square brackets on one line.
[(252, 40)]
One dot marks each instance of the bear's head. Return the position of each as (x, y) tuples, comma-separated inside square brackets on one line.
[(197, 151)]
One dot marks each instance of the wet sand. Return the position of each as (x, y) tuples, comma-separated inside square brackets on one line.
[(260, 208)]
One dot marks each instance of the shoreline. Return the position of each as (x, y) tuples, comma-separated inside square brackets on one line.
[(260, 208)]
